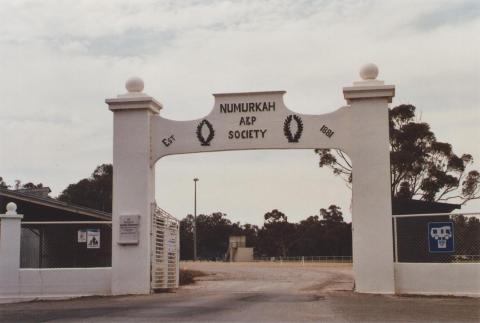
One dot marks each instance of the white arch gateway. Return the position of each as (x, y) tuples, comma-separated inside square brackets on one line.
[(255, 120)]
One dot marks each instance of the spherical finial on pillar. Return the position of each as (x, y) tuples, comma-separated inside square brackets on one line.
[(369, 72), (11, 208), (134, 84)]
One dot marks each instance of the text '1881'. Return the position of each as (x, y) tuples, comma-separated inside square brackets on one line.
[(327, 131)]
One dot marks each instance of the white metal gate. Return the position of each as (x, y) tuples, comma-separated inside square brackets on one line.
[(165, 250)]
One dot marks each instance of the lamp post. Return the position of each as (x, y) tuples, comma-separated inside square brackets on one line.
[(195, 180)]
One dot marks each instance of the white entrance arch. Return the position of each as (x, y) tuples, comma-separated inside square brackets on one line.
[(256, 120)]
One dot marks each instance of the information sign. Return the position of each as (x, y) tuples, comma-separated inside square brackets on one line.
[(93, 238), (129, 229), (171, 240), (82, 235), (440, 237)]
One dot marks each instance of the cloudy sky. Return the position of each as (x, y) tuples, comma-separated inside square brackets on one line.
[(59, 60)]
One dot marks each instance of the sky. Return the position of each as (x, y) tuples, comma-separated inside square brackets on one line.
[(59, 61)]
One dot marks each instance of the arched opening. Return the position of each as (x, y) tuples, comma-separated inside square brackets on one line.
[(237, 189)]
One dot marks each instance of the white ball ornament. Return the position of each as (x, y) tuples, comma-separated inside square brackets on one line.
[(369, 72), (134, 84), (11, 208)]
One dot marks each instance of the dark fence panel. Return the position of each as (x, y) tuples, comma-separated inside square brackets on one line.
[(66, 245), (413, 235)]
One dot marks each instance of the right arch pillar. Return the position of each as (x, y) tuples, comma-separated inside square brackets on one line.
[(369, 150)]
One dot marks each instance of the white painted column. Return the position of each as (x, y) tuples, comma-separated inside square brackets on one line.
[(10, 250), (133, 185), (372, 210)]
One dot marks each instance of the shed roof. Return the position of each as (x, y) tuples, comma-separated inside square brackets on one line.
[(407, 206), (48, 202)]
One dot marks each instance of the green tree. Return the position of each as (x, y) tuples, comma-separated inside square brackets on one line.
[(250, 231), (323, 235), (332, 214), (186, 237), (19, 185), (3, 184), (277, 235), (421, 167), (213, 232), (94, 192), (30, 185), (312, 231), (337, 235)]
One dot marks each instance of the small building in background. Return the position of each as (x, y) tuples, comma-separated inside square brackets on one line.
[(237, 249), (54, 234)]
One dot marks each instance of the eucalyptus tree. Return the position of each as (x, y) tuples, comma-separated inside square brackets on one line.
[(421, 166)]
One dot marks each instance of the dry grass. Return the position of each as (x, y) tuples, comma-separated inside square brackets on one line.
[(187, 276)]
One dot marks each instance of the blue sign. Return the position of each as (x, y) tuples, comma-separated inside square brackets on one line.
[(440, 237)]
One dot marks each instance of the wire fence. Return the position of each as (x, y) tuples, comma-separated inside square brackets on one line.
[(297, 259), (304, 259), (73, 244), (437, 238)]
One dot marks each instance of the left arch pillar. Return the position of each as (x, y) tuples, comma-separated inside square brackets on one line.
[(133, 186)]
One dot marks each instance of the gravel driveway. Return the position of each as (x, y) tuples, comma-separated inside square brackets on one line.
[(272, 277)]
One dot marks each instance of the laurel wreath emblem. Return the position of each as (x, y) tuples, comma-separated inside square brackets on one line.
[(211, 132), (287, 130)]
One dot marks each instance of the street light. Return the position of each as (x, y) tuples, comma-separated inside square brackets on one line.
[(195, 180)]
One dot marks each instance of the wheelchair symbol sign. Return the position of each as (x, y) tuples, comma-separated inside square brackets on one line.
[(440, 237)]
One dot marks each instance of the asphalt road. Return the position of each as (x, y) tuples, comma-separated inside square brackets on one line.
[(253, 293)]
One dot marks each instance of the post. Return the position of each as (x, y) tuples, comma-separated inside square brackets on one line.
[(195, 180), (372, 212), (10, 251), (395, 240), (133, 186)]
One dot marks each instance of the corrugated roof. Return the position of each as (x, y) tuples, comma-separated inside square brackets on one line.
[(50, 202)]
